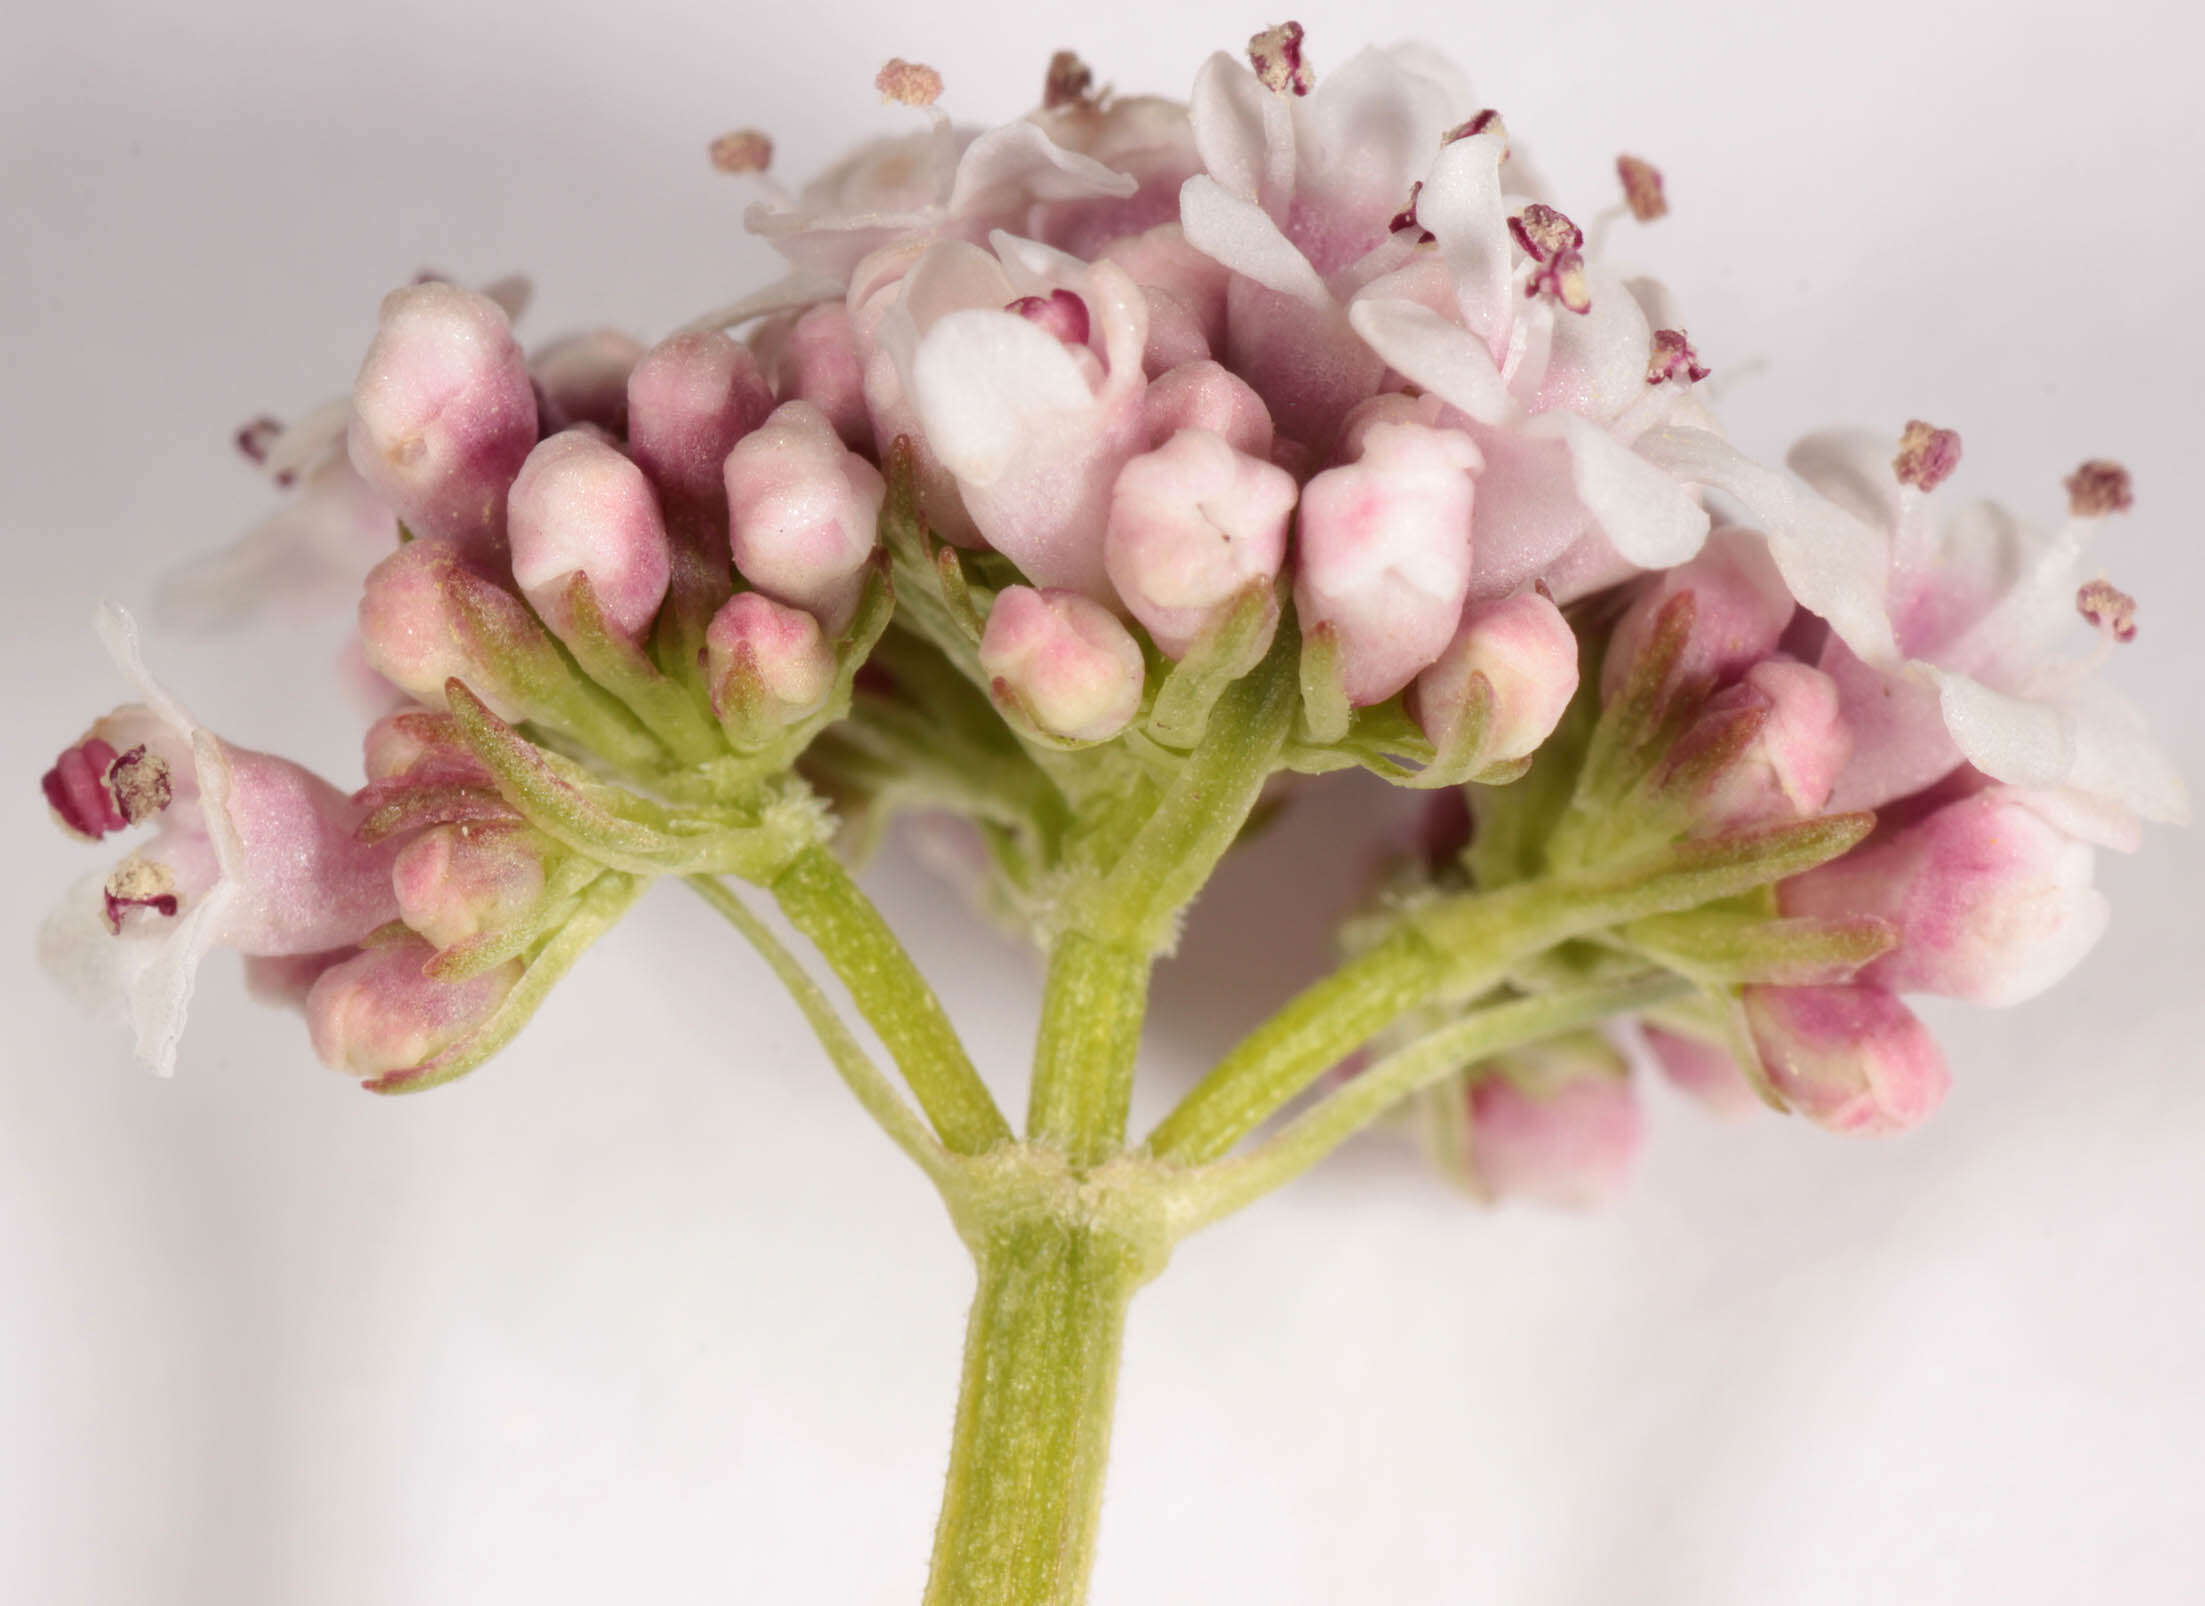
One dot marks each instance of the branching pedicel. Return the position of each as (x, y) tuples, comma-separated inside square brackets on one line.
[(1086, 480)]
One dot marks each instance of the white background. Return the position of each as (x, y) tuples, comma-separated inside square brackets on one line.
[(646, 1312)]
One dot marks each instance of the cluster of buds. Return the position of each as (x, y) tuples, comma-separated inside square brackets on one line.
[(1054, 435)]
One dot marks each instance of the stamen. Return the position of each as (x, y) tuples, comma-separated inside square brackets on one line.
[(1276, 55), (255, 436), (1488, 120), (1406, 217), (1551, 240), (745, 150), (1671, 354), (1068, 82), (1642, 190), (2097, 488), (139, 884), (2109, 608), (908, 83), (139, 783), (1927, 455), (76, 791), (1060, 312)]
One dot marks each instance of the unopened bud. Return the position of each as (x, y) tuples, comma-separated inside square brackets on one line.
[(1191, 525), (1797, 743), (690, 399), (768, 665), (1702, 1069), (1851, 1059), (1993, 903), (803, 512), (444, 412), (1527, 653), (380, 1012), (1384, 555), (583, 379), (430, 612), (1558, 1125), (1740, 606), (1065, 660), (1207, 395), (581, 507), (818, 363), (459, 881)]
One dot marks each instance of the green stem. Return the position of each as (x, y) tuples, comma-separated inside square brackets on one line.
[(1090, 1037), (1219, 1190), (875, 1093), (1024, 1494), (822, 902)]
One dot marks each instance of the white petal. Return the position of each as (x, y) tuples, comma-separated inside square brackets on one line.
[(1835, 565), (1648, 517), (1020, 155), (1241, 132), (1241, 235), (1439, 356), (979, 379), (118, 632), (799, 289), (1461, 204), (1370, 130)]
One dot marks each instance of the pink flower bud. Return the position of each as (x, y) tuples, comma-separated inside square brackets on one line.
[(443, 412), (378, 1012), (429, 613), (817, 361), (1740, 609), (1992, 901), (1786, 770), (1704, 1070), (1191, 525), (1559, 1126), (583, 379), (414, 744), (690, 399), (1527, 653), (803, 511), (1066, 660), (581, 507), (1852, 1059), (767, 664), (1385, 554), (458, 881), (1206, 395)]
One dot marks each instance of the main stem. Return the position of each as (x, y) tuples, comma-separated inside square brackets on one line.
[(1024, 1494)]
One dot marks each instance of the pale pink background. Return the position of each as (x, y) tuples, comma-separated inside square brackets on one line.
[(645, 1312)]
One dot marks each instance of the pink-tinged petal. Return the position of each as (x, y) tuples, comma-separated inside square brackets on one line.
[(1528, 514), (1065, 661), (1704, 1070), (1850, 1059), (1992, 901), (1306, 362), (1161, 262), (1191, 525), (980, 377), (690, 399), (1597, 364), (1833, 563), (581, 507), (1384, 557), (284, 840), (583, 379), (804, 512), (1366, 134), (379, 1012), (443, 412), (1900, 744), (816, 360), (1526, 652), (1435, 355)]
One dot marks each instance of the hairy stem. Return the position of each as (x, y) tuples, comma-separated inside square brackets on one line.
[(822, 902)]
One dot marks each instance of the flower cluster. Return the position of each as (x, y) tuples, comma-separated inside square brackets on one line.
[(1062, 448)]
